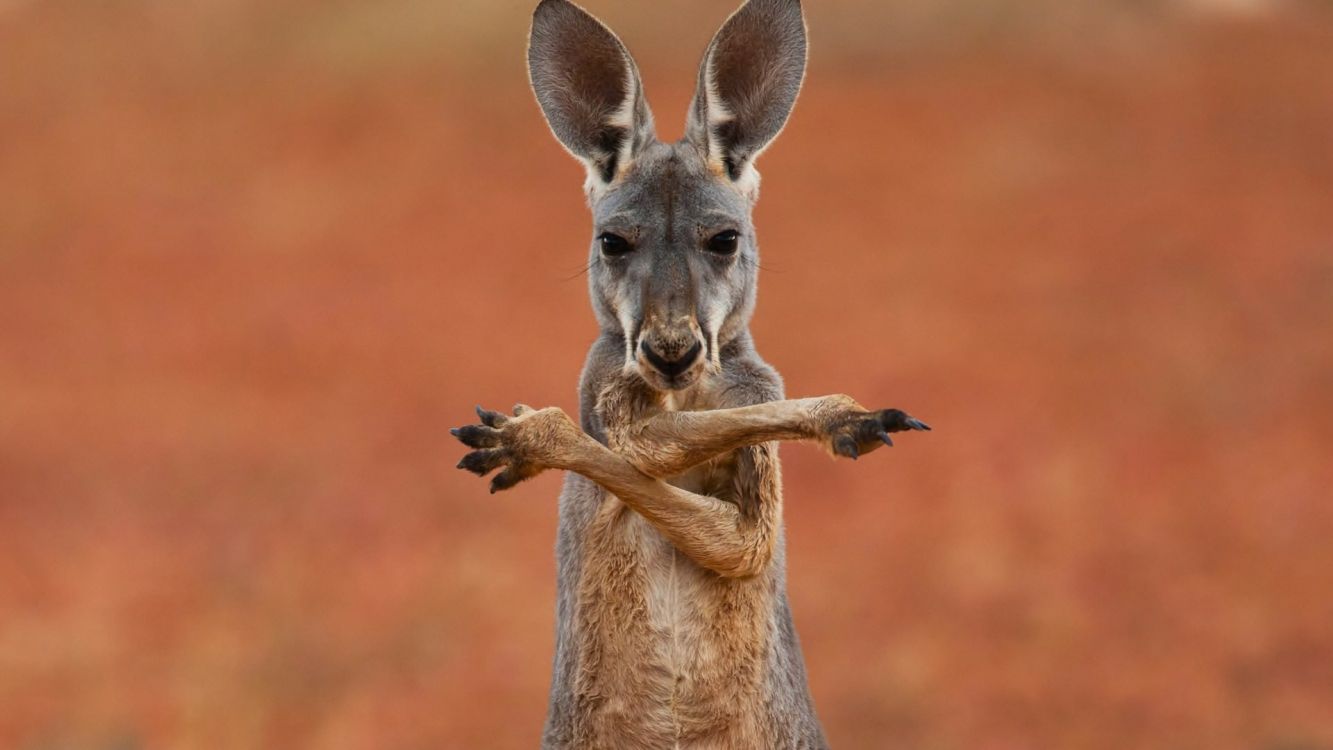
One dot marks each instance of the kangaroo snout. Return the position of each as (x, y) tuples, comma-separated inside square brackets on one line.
[(670, 357), (672, 367)]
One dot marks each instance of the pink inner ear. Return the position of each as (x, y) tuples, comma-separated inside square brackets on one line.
[(588, 88), (748, 84)]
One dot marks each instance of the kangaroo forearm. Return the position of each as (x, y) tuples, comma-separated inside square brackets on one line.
[(707, 530), (669, 443)]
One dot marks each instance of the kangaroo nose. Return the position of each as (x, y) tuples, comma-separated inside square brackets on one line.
[(671, 368)]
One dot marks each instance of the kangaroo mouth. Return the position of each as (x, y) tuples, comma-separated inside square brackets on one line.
[(674, 374), (674, 368)]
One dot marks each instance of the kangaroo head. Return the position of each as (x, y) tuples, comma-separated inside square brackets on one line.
[(674, 259)]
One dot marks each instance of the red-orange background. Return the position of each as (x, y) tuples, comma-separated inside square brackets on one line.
[(256, 258)]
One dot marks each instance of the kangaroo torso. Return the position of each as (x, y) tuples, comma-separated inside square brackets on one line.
[(653, 650), (673, 629), (672, 623)]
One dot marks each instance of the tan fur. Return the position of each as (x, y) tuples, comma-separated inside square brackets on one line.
[(673, 628), (704, 634), (674, 609)]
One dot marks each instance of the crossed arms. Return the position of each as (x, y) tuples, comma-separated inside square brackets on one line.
[(734, 539)]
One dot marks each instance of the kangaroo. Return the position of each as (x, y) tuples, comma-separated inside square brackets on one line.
[(673, 627)]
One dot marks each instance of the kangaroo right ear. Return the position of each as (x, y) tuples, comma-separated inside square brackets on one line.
[(748, 83), (589, 89)]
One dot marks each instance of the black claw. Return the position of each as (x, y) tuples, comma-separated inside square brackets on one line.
[(505, 480), (896, 420), (482, 463), (887, 440), (477, 436), (490, 418), (845, 445), (868, 429)]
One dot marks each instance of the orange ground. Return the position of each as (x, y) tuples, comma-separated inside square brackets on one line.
[(242, 304)]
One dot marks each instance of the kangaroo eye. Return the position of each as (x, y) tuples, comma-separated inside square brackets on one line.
[(724, 243), (613, 244)]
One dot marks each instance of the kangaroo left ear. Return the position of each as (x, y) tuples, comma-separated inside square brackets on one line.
[(748, 82)]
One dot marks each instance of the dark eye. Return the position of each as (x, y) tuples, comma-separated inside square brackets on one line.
[(613, 244), (724, 243)]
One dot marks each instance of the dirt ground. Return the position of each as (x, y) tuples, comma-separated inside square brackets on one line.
[(244, 293)]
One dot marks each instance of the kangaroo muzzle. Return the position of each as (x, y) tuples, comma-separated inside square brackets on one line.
[(672, 367), (671, 357)]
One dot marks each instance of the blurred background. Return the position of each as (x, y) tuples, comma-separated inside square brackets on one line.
[(256, 258)]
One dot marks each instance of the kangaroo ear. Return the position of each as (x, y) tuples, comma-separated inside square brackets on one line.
[(748, 82), (589, 89)]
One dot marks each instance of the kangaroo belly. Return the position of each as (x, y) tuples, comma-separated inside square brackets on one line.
[(670, 654)]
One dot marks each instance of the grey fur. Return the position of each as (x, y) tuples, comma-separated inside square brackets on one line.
[(757, 61), (673, 628), (667, 294), (583, 76)]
